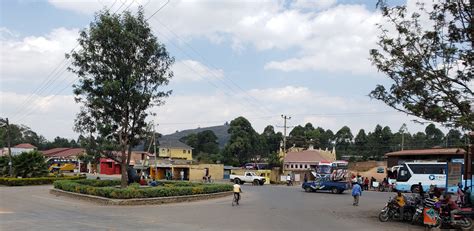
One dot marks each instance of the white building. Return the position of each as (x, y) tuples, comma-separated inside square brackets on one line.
[(18, 149)]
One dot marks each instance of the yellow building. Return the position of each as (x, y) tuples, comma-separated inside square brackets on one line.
[(174, 149)]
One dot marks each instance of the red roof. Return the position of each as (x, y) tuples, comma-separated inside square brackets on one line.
[(24, 145), (431, 151), (53, 151), (64, 152), (307, 156)]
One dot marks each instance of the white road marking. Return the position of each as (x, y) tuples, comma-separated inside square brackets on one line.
[(6, 212)]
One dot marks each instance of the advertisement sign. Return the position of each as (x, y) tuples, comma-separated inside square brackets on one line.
[(454, 174), (429, 216)]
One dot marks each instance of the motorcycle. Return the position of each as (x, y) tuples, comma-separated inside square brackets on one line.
[(392, 211), (461, 220), (419, 208)]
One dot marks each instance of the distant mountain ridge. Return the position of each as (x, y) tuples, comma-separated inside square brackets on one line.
[(220, 131)]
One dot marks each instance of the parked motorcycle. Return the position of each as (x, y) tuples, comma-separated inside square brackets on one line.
[(420, 206), (461, 220), (392, 211)]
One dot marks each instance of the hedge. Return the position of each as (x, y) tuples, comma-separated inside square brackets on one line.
[(169, 189), (11, 181)]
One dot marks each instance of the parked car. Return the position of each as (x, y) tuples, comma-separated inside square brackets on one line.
[(380, 170), (248, 177)]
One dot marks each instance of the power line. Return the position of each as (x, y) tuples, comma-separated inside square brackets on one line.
[(203, 75), (51, 77), (168, 1), (205, 62), (50, 81)]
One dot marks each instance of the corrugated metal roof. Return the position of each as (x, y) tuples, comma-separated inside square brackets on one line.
[(307, 156), (64, 152), (171, 143), (24, 145), (431, 151)]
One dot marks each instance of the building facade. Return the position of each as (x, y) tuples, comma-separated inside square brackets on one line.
[(18, 149), (174, 149)]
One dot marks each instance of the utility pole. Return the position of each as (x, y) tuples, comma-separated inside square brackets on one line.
[(285, 118), (403, 129), (154, 147), (154, 140), (9, 149)]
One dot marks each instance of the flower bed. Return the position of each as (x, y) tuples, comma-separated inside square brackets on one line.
[(11, 181), (107, 188)]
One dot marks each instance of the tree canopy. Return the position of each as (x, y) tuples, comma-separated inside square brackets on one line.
[(428, 54), (121, 67)]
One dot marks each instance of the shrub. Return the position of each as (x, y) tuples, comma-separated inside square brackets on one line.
[(105, 188), (29, 164), (4, 168), (11, 181)]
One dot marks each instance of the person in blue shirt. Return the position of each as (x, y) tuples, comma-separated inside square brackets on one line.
[(356, 193), (153, 183)]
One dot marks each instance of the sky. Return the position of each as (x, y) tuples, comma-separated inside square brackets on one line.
[(257, 59)]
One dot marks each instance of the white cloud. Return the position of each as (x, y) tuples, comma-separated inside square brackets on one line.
[(31, 59), (326, 36), (191, 70), (54, 116), (313, 4), (329, 112), (49, 115)]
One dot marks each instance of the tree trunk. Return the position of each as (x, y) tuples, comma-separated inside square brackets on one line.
[(123, 168)]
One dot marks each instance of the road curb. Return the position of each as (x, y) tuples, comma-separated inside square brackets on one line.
[(138, 201)]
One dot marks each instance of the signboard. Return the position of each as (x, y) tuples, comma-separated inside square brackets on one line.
[(454, 174), (429, 216), (297, 177)]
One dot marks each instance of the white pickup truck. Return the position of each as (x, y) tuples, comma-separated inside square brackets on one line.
[(248, 177)]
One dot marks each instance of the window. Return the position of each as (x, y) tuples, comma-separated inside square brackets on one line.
[(403, 174), (248, 174), (301, 166), (427, 168), (287, 166), (291, 166), (184, 151), (189, 151)]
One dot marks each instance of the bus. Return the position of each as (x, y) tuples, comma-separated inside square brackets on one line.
[(428, 173), (336, 170)]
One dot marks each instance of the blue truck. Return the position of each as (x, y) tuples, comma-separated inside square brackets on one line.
[(325, 184)]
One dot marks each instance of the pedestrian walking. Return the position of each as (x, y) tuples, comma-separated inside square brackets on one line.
[(182, 174), (305, 179), (356, 193)]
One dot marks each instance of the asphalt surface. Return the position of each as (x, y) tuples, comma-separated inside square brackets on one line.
[(262, 208)]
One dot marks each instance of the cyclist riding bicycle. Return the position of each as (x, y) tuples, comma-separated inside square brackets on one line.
[(237, 191)]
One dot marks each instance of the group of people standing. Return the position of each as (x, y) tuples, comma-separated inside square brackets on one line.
[(364, 182)]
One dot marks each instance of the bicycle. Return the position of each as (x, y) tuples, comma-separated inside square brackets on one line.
[(235, 200)]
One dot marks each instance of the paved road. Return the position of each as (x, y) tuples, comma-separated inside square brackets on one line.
[(262, 208)]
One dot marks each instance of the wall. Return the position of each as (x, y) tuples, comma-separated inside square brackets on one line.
[(176, 153), (18, 151), (196, 172), (365, 165), (301, 173), (109, 167)]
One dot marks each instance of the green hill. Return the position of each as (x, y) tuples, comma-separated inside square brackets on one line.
[(220, 131)]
